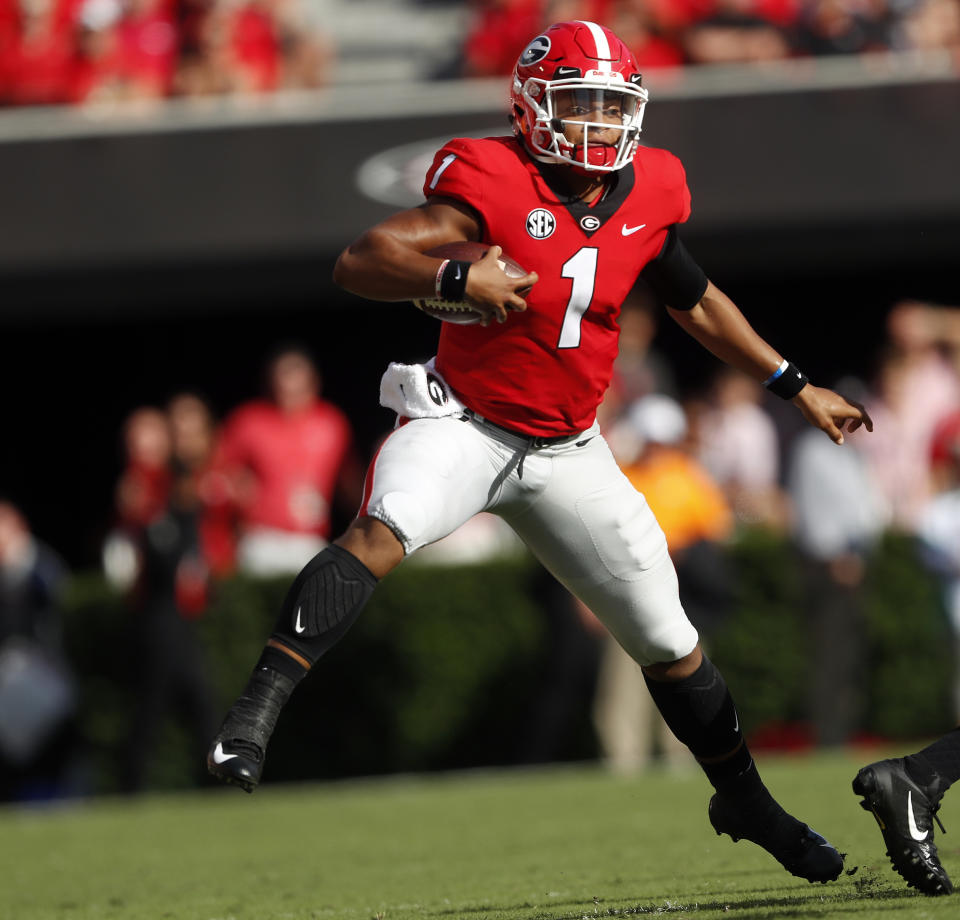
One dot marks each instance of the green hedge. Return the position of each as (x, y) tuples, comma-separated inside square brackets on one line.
[(433, 675), (762, 648), (765, 649), (439, 670), (912, 661)]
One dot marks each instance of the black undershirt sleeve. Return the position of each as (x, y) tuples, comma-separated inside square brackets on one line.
[(674, 276)]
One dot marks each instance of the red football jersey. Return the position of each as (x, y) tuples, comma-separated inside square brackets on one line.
[(544, 372)]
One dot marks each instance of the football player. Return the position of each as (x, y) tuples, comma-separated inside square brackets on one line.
[(574, 199)]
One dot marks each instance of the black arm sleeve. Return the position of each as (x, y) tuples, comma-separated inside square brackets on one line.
[(675, 278)]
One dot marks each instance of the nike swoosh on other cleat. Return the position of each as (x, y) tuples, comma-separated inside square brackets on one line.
[(915, 831), (298, 627), (219, 756)]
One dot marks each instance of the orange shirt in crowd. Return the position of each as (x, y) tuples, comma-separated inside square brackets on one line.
[(688, 504)]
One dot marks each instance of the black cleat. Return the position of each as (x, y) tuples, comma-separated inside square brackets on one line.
[(237, 753), (905, 811), (237, 762), (800, 850)]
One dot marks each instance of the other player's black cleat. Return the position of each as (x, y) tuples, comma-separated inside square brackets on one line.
[(905, 811), (800, 850), (237, 753)]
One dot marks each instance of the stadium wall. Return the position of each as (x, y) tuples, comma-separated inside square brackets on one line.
[(832, 166)]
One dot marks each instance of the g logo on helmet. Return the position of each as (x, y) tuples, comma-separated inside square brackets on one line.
[(535, 51)]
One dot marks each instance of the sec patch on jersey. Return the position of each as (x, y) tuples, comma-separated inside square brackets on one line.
[(461, 313)]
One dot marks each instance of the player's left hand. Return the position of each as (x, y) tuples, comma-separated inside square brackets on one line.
[(829, 411), (494, 293)]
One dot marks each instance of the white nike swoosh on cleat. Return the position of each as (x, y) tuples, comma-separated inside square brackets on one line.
[(219, 756), (915, 831), (628, 231), (298, 627)]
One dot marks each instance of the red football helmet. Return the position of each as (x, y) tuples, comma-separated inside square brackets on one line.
[(579, 69)]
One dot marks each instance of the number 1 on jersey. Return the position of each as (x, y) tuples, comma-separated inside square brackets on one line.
[(582, 269)]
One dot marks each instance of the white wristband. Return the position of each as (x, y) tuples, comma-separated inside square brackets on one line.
[(436, 285)]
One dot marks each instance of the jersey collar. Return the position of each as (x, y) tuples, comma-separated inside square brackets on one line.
[(591, 218)]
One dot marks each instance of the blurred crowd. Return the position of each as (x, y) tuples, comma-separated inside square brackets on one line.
[(256, 492), (89, 51), (669, 33), (727, 458), (261, 490), (197, 500), (731, 457)]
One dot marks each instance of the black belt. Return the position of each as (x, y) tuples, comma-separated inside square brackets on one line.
[(530, 442), (533, 441)]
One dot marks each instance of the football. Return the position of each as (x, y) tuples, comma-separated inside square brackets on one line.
[(462, 313)]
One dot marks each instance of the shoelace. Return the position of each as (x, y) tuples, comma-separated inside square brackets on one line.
[(933, 814)]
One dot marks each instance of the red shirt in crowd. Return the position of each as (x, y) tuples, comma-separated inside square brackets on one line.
[(133, 57), (499, 34), (38, 53), (285, 466), (255, 47)]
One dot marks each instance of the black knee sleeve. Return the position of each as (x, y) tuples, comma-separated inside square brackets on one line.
[(323, 602), (699, 711)]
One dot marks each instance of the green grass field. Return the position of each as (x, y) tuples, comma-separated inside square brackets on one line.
[(553, 844)]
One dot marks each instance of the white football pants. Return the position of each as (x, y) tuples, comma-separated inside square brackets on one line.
[(572, 507)]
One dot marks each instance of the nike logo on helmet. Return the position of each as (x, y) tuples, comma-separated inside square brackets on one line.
[(628, 231), (219, 756), (298, 627), (915, 831)]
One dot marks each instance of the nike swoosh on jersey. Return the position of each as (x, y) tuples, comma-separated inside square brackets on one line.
[(219, 756), (915, 831), (298, 627), (628, 231)]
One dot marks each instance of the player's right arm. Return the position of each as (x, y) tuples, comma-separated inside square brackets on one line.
[(387, 262)]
